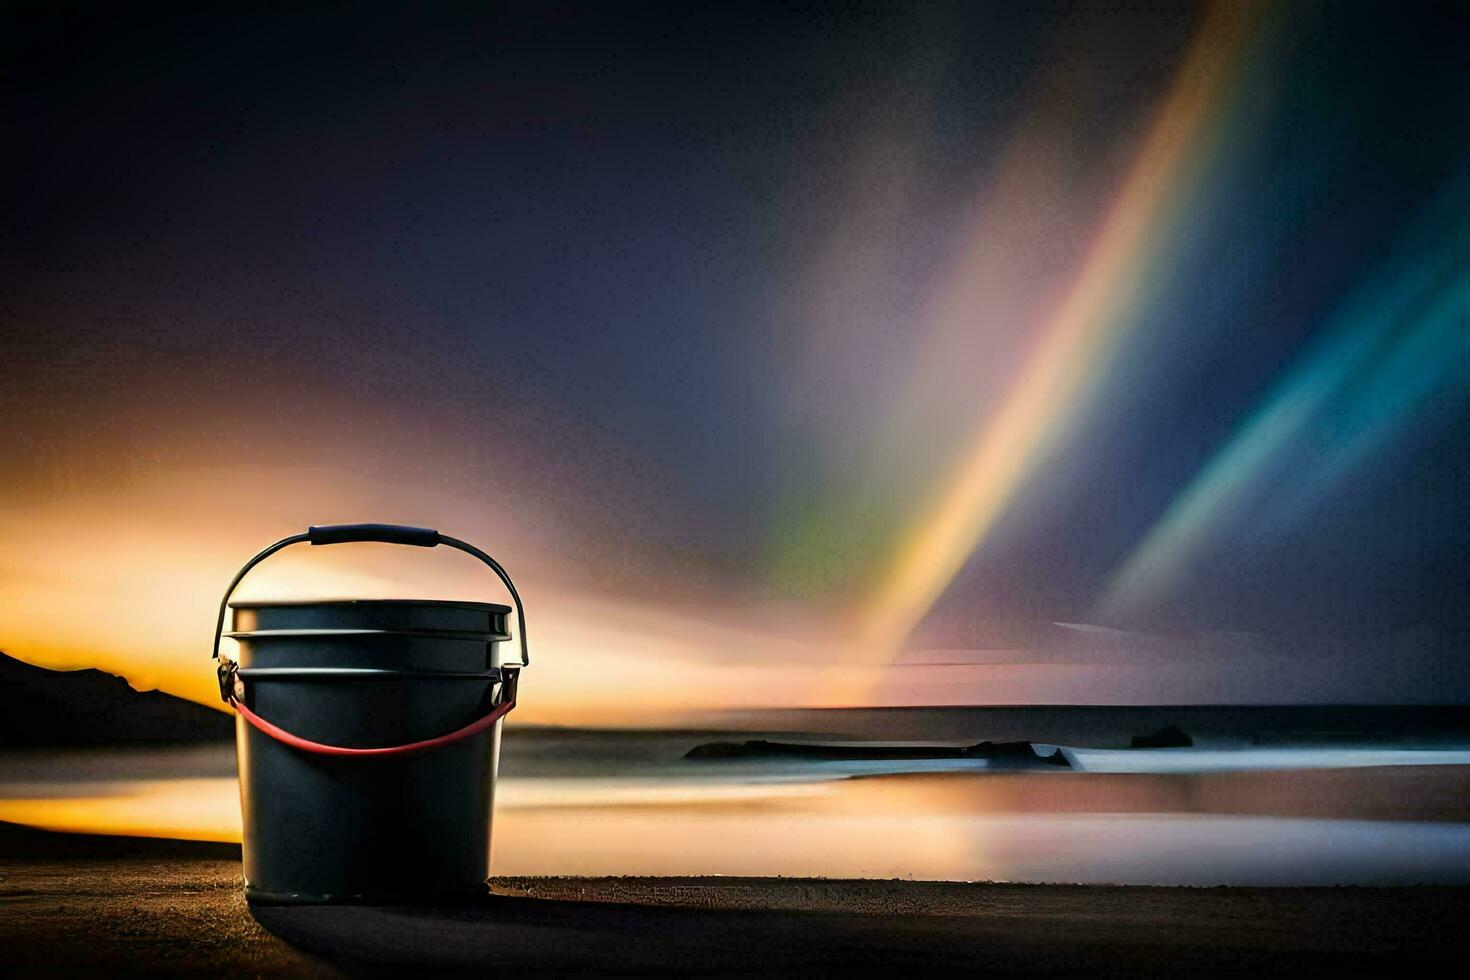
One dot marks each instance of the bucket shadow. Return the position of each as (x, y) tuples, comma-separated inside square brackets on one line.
[(1000, 931), (544, 936)]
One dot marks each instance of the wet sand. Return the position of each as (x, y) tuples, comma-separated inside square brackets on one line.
[(119, 905)]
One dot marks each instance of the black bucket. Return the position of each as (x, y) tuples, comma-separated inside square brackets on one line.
[(368, 734)]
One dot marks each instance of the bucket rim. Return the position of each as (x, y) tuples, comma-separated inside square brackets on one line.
[(337, 601), (478, 636), (494, 674)]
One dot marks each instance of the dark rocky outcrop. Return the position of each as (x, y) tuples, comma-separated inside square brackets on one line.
[(1168, 737), (998, 754), (1018, 755), (761, 748)]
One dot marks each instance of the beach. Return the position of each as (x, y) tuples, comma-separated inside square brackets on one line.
[(76, 903), (798, 851)]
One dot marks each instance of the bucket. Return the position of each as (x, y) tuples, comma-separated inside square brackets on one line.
[(368, 734)]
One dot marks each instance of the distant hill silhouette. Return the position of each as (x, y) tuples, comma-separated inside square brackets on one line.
[(77, 707)]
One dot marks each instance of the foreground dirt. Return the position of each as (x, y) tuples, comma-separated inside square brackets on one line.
[(73, 904)]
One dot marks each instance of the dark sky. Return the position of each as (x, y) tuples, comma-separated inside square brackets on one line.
[(711, 306)]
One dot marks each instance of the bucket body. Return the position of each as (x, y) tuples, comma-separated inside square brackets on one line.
[(367, 674)]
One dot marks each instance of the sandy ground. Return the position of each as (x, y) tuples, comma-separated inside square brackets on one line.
[(82, 904)]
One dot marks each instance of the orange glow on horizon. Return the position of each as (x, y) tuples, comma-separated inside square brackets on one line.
[(125, 582)]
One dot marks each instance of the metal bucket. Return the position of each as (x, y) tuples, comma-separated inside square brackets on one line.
[(368, 734)]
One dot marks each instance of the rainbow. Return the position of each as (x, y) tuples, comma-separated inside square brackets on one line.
[(1076, 339), (1375, 369)]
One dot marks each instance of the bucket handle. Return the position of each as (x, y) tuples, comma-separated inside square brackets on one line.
[(419, 537), (278, 733)]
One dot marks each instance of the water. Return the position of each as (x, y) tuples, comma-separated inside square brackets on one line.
[(588, 803)]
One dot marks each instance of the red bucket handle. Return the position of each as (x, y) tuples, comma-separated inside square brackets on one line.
[(322, 748), (420, 537)]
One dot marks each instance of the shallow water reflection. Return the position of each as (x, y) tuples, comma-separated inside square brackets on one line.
[(1379, 825)]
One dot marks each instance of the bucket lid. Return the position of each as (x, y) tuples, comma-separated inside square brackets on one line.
[(480, 619)]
